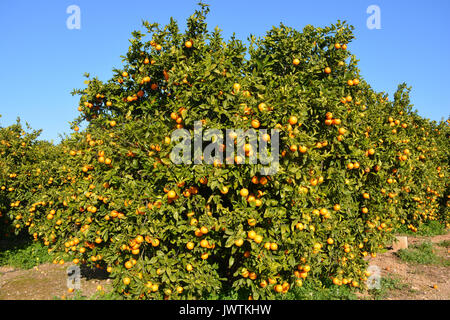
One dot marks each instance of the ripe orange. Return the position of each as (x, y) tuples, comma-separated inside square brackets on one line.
[(243, 192), (296, 62), (190, 245), (293, 120), (247, 148), (255, 180), (224, 190), (251, 234), (327, 70), (255, 123), (258, 238), (262, 107), (171, 194), (263, 181), (252, 276), (204, 243), (302, 149), (188, 44)]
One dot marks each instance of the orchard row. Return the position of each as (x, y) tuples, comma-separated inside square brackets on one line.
[(354, 167)]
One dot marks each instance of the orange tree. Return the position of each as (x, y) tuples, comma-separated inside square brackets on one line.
[(23, 174), (443, 132), (414, 160), (182, 231)]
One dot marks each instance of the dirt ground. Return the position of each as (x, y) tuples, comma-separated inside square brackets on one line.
[(47, 282), (418, 282)]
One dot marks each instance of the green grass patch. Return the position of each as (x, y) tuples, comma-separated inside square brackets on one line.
[(429, 229), (422, 253), (387, 284), (308, 291), (445, 244), (24, 255), (78, 295)]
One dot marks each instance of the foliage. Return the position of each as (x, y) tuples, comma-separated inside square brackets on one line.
[(25, 255), (354, 167)]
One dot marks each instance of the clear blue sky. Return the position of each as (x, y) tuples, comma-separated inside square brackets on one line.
[(42, 61)]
